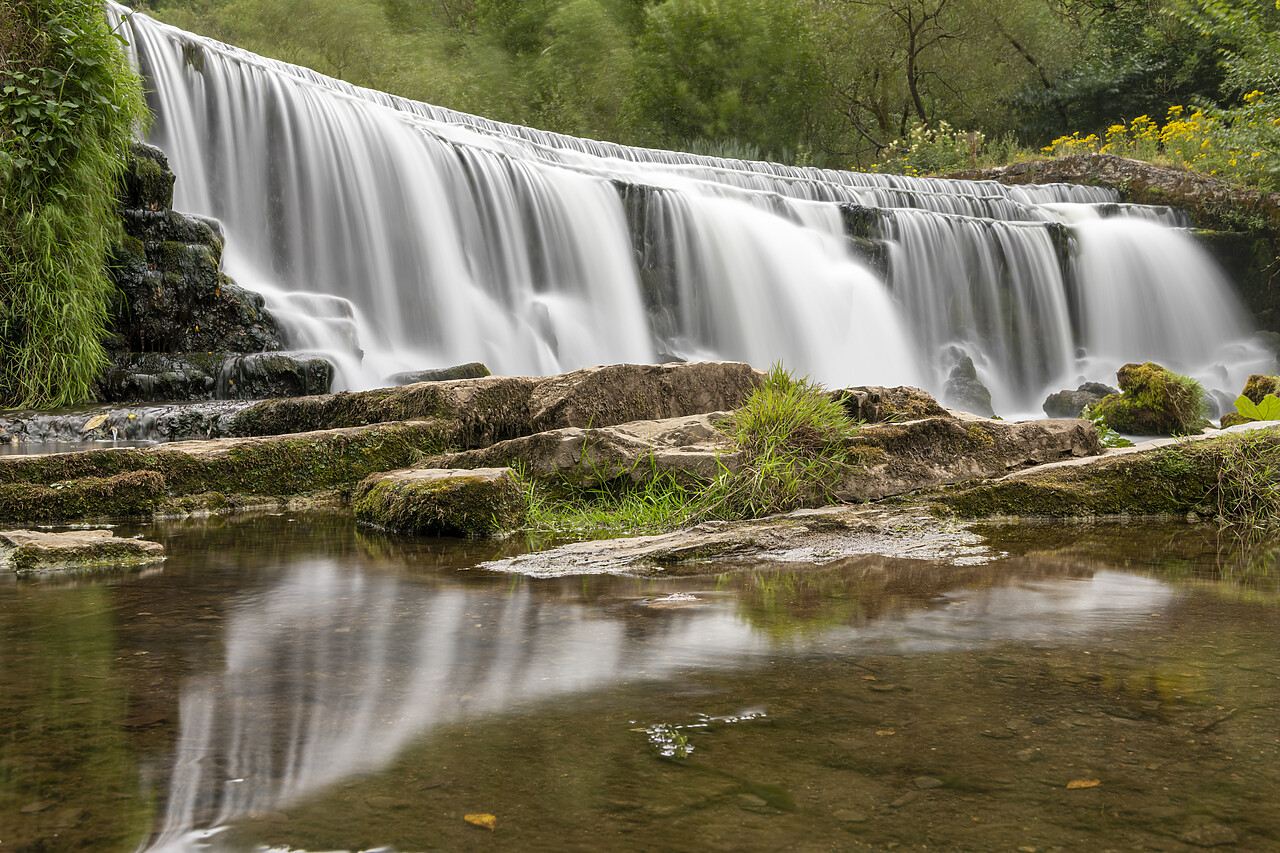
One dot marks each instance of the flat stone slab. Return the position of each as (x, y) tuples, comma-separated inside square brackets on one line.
[(36, 551), (448, 502)]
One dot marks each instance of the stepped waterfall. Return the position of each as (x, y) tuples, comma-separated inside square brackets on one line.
[(392, 235)]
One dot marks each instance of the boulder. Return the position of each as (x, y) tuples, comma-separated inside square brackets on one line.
[(1071, 404), (1153, 401), (904, 457), (433, 501), (964, 391), (472, 370), (35, 551), (475, 413), (875, 404), (208, 376), (689, 447), (274, 374)]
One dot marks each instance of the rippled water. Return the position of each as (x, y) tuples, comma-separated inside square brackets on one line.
[(292, 683)]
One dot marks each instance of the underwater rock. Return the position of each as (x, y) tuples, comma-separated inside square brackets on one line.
[(35, 551), (690, 448), (1153, 401), (964, 391), (432, 501), (1070, 404), (471, 370)]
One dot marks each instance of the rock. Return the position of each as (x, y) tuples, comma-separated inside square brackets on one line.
[(473, 370), (132, 493), (433, 501), (690, 448), (1210, 835), (1259, 385), (901, 458), (475, 413), (147, 183), (206, 376), (964, 391), (1153, 401), (32, 551), (1071, 404), (1165, 477), (874, 404)]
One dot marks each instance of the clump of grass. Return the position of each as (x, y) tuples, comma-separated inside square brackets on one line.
[(69, 106), (794, 443), (1248, 487)]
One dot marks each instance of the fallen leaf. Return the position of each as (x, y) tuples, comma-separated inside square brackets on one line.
[(884, 732), (95, 422), (1083, 783), (869, 678), (484, 821)]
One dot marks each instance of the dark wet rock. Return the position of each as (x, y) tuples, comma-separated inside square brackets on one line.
[(964, 391), (274, 374), (874, 404), (179, 422), (475, 413), (172, 296), (1153, 401), (429, 501), (34, 551), (690, 448), (472, 370), (1070, 404), (905, 457)]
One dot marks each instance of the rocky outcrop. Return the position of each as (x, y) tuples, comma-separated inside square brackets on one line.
[(1070, 404), (208, 376), (172, 298), (964, 391), (905, 457), (1153, 401), (689, 448), (36, 551), (426, 501), (475, 413), (109, 495)]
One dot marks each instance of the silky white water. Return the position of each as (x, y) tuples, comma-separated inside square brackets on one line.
[(394, 236)]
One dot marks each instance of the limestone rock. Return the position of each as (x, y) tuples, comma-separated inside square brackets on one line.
[(131, 493), (34, 551), (478, 412), (905, 457), (1153, 401), (689, 447), (965, 391), (477, 502), (472, 370), (1070, 404), (875, 404)]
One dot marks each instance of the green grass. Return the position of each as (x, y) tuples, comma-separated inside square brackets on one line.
[(69, 106), (793, 438)]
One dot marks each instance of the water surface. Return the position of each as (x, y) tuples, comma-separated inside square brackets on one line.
[(293, 683)]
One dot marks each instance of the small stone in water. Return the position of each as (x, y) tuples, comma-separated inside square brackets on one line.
[(926, 782)]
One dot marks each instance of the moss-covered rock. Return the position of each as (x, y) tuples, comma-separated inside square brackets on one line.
[(133, 493), (450, 502), (1260, 385), (35, 551), (1153, 401), (874, 404)]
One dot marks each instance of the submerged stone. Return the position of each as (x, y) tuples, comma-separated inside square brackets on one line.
[(35, 551), (450, 502)]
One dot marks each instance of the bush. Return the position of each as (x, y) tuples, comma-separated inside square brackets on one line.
[(69, 105)]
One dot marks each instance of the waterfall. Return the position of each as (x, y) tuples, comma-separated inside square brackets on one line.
[(393, 235)]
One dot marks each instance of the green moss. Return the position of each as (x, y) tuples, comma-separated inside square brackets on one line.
[(1153, 401), (116, 553), (129, 494), (458, 505), (1259, 385)]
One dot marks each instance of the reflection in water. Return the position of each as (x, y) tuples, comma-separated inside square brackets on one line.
[(334, 672)]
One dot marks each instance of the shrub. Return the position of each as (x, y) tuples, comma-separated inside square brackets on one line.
[(69, 105)]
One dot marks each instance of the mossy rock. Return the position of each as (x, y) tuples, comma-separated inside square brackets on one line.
[(1153, 401), (1260, 385), (134, 493), (449, 502), (35, 551)]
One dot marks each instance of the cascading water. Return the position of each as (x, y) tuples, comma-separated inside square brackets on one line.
[(394, 235)]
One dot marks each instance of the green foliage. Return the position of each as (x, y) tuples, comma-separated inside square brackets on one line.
[(659, 503), (69, 103), (1266, 410), (1248, 488), (1155, 401), (1107, 436)]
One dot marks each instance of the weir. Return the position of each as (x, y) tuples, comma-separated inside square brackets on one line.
[(392, 235)]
